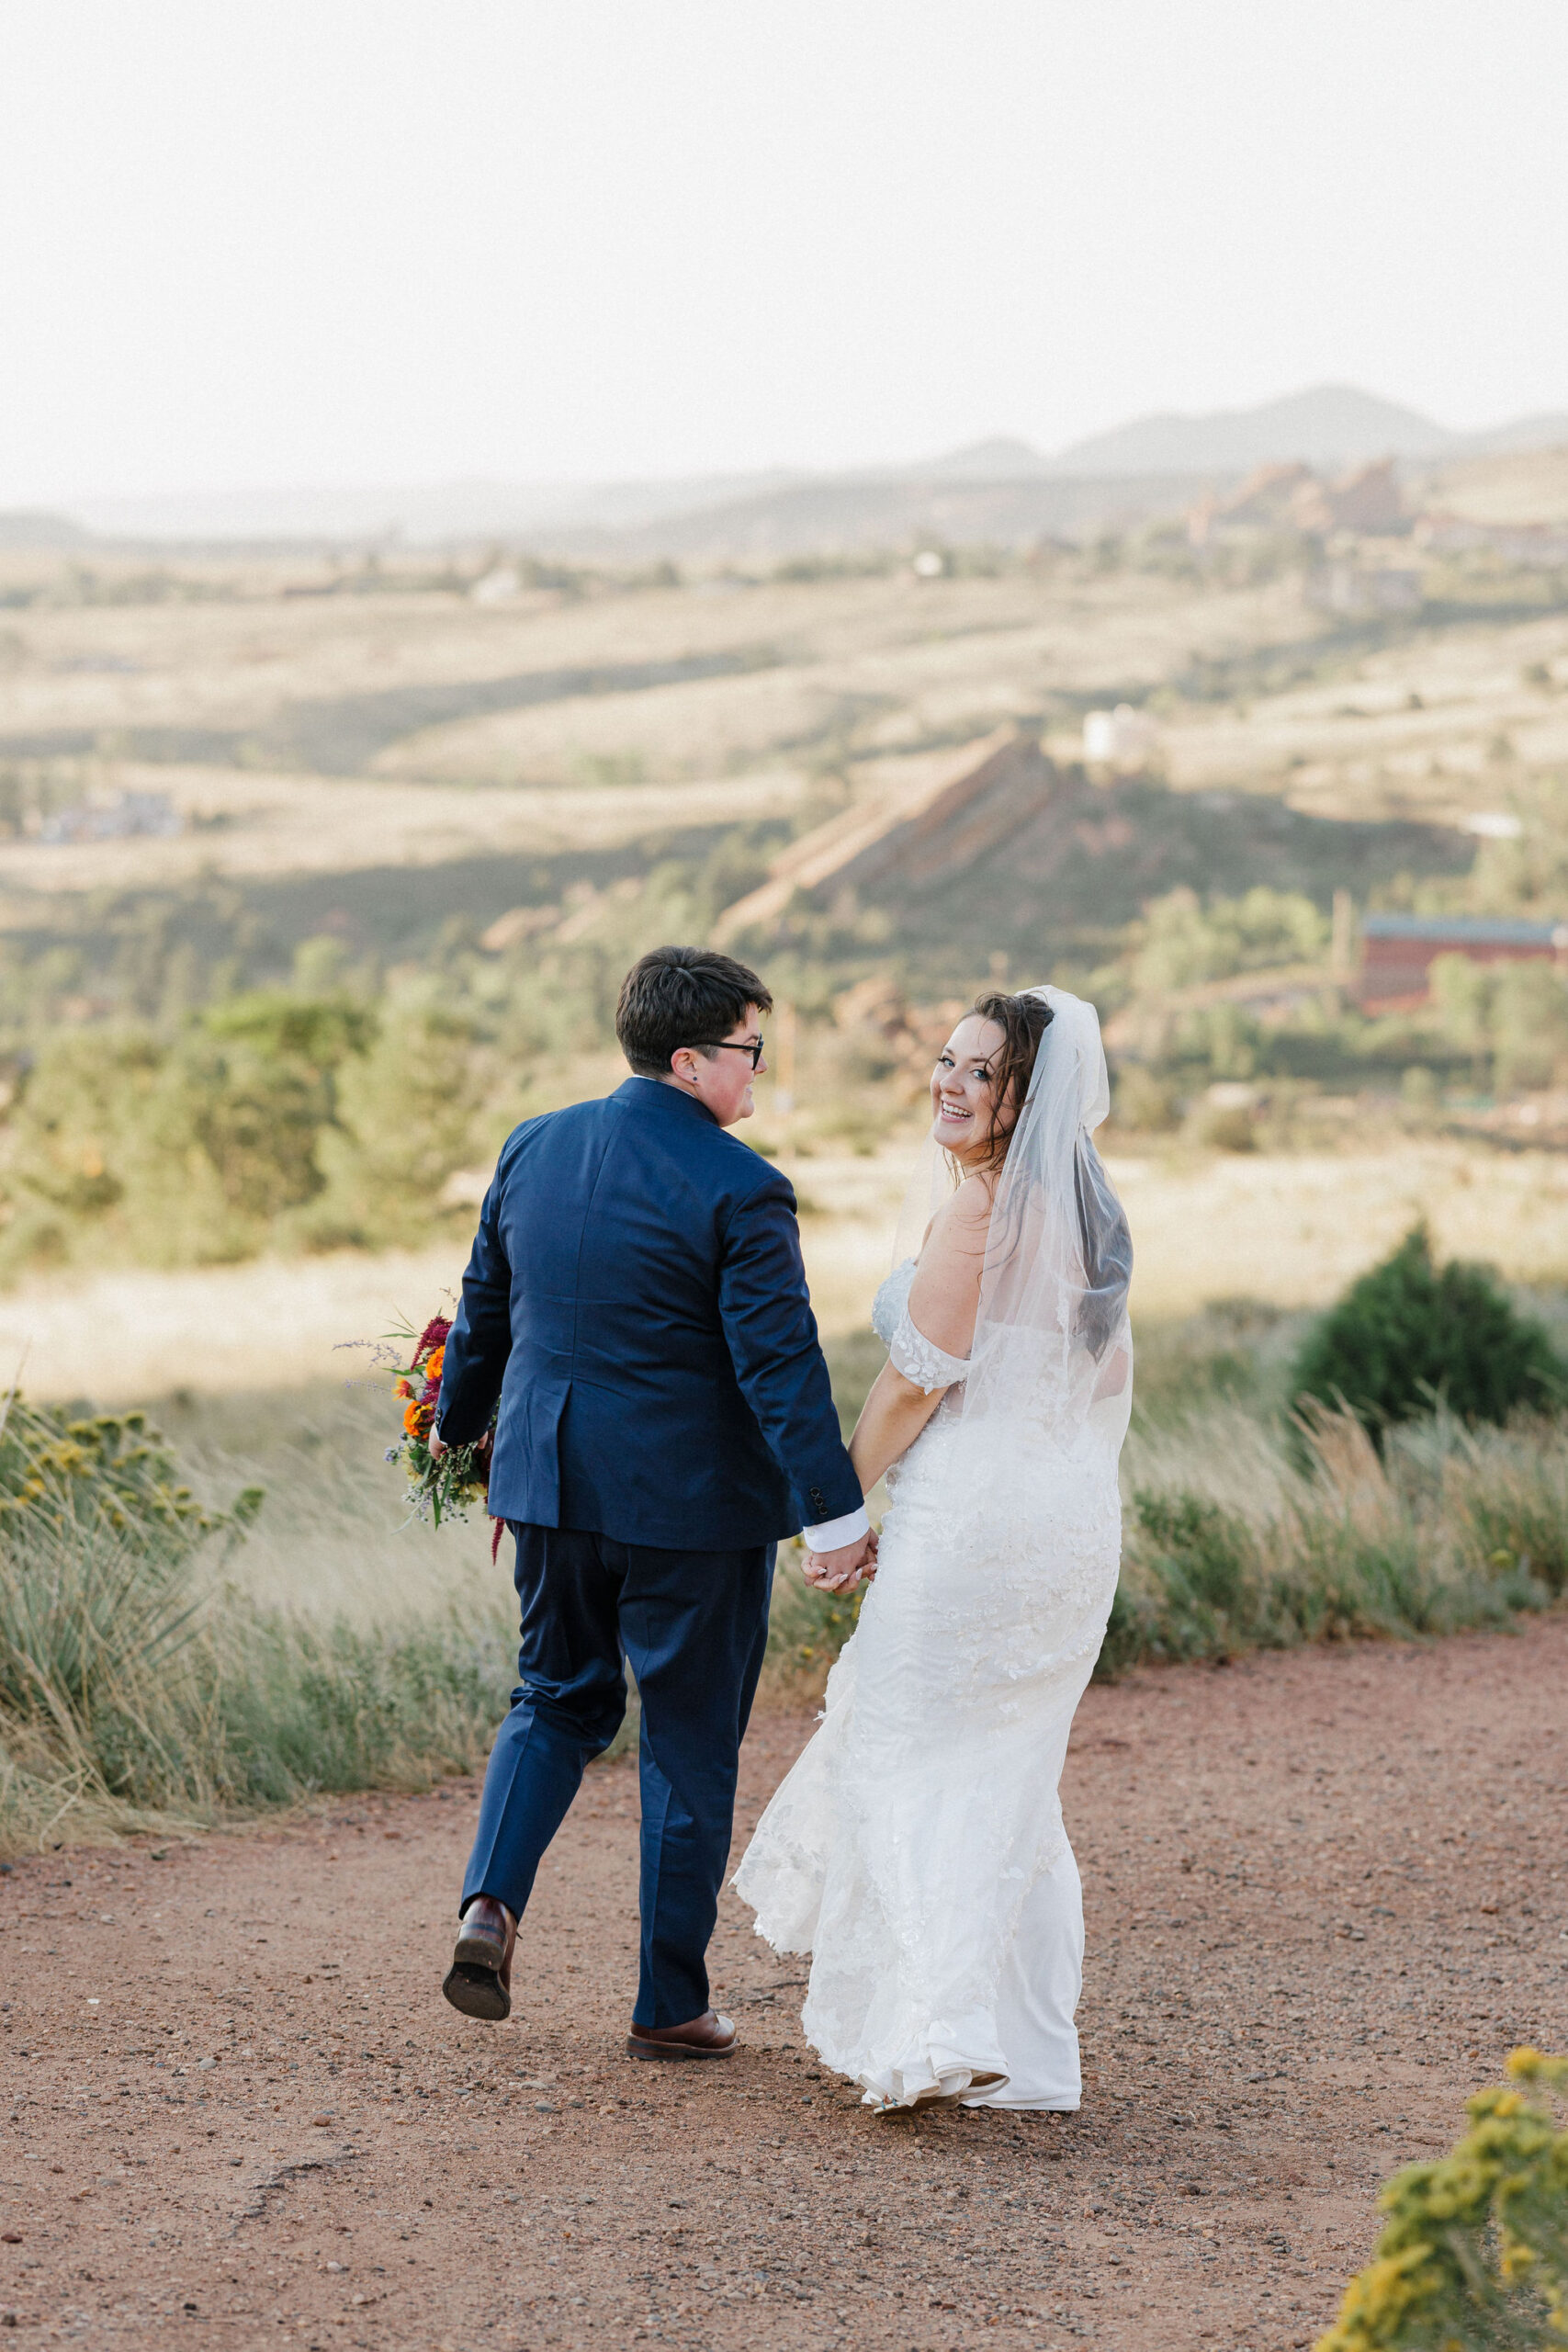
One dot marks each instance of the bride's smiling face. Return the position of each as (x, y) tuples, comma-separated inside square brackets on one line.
[(964, 1096)]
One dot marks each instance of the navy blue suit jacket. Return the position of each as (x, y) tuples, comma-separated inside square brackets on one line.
[(636, 1300)]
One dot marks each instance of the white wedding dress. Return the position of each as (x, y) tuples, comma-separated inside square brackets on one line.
[(917, 1849)]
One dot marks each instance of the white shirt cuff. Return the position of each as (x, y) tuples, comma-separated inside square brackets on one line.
[(834, 1533)]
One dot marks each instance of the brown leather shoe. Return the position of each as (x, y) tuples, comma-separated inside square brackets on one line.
[(709, 2036), (479, 1979)]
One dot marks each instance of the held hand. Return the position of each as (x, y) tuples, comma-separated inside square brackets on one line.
[(840, 1571), (438, 1446)]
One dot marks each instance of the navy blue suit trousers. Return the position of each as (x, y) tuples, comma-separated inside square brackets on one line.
[(693, 1625)]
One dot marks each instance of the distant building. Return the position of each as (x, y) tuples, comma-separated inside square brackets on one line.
[(1124, 739), (1398, 951), (1361, 590), (114, 819), (497, 586), (1533, 546)]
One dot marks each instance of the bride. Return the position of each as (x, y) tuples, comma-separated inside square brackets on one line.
[(917, 1849)]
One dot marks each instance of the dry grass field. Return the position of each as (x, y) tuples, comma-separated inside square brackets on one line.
[(1288, 1230), (249, 824), (310, 716), (598, 698), (1442, 729)]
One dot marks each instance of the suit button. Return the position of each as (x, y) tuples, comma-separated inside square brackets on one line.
[(817, 1505)]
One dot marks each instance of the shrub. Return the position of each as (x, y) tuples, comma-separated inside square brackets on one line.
[(167, 1149), (1474, 2254), (1410, 1332), (1232, 1543), (1223, 1129), (1144, 1104), (136, 1688), (1203, 1559), (1183, 941), (110, 1473)]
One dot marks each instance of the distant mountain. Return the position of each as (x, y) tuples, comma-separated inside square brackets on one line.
[(30, 528), (1333, 425), (842, 514), (431, 513), (1001, 490), (1526, 433), (999, 460)]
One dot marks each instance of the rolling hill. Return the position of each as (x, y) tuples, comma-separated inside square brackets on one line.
[(1000, 488)]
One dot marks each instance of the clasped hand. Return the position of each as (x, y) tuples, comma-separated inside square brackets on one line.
[(840, 1571), (438, 1445)]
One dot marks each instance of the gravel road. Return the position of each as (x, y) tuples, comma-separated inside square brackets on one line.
[(1326, 1893)]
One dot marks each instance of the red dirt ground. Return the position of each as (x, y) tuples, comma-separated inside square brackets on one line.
[(1326, 1893)]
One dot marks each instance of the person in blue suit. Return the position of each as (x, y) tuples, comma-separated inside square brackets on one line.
[(636, 1302)]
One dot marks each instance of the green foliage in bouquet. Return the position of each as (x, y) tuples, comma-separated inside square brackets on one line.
[(1410, 1332), (448, 1486), (1474, 2254)]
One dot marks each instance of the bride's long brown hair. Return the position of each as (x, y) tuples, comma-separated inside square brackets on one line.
[(1102, 1229), (1023, 1021)]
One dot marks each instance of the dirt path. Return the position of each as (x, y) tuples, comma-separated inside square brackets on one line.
[(1326, 1893)]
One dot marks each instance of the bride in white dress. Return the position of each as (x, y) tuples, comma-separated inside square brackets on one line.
[(917, 1850)]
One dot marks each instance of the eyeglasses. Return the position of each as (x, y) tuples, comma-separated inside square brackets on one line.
[(733, 1045)]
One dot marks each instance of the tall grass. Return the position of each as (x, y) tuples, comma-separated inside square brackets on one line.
[(168, 1658), (1241, 1533), (159, 1670), (1244, 1528), (1247, 1534)]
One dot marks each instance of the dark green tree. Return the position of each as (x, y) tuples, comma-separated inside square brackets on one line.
[(1410, 1330)]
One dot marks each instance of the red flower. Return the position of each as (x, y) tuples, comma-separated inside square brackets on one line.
[(433, 1336)]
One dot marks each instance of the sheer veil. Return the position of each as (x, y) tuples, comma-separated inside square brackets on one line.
[(1051, 1339)]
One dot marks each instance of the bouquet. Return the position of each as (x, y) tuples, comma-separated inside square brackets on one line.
[(451, 1487)]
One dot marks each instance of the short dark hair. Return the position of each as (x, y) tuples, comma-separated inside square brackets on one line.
[(683, 996)]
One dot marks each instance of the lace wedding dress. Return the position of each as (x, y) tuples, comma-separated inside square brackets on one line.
[(917, 1849)]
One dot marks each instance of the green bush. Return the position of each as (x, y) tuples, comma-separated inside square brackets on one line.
[(1411, 1332), (1182, 941), (109, 1473), (1241, 1545), (168, 1148), (1473, 2256), (136, 1687)]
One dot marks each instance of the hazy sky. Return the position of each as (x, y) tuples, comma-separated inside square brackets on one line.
[(278, 242)]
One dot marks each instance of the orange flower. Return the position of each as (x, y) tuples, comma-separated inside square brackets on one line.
[(437, 1358), (413, 1416), (403, 1389)]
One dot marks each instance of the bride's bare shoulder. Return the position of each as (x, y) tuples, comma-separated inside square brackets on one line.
[(945, 1292), (963, 1221)]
